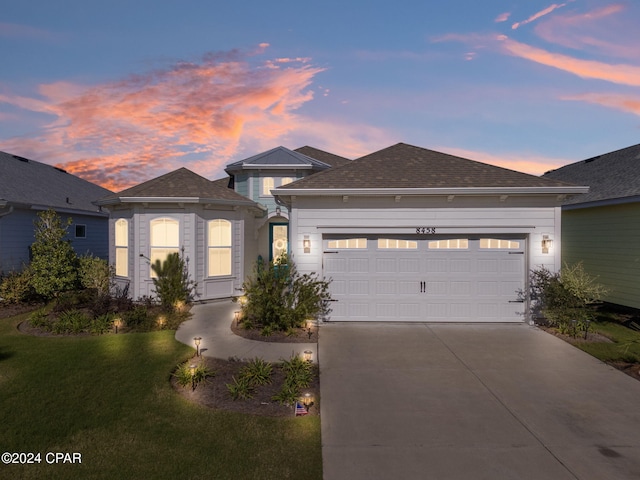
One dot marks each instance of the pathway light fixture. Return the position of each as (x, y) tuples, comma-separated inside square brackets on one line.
[(197, 340)]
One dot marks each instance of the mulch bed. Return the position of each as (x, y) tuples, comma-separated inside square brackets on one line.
[(214, 394), (300, 335)]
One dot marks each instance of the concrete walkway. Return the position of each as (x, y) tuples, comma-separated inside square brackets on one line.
[(212, 322), (472, 402)]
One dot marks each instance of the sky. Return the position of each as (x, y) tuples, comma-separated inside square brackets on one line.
[(120, 92)]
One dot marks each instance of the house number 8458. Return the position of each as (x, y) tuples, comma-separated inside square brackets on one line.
[(428, 230)]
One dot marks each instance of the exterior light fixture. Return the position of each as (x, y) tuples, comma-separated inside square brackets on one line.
[(192, 370), (197, 340), (117, 323), (308, 355), (162, 320), (307, 400), (236, 317), (242, 300), (306, 244), (309, 327), (587, 324), (278, 211), (546, 243)]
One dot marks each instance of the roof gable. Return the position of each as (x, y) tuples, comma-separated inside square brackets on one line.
[(614, 175), (278, 157), (406, 166), (181, 183), (28, 182)]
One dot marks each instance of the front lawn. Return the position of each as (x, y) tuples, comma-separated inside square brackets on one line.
[(109, 399)]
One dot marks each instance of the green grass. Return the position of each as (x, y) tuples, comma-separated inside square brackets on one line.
[(626, 346), (109, 398)]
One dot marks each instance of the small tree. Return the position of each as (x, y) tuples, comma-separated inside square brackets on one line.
[(96, 273), (172, 282), (54, 263), (279, 298)]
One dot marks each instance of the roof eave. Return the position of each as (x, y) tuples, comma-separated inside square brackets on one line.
[(201, 200), (560, 190)]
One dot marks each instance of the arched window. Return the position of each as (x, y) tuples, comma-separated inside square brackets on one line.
[(286, 181), (219, 247), (165, 238), (122, 247), (267, 186)]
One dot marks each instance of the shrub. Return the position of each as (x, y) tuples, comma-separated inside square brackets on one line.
[(102, 324), (40, 319), (257, 372), (16, 287), (72, 321), (240, 388), (172, 283), (54, 262), (185, 377), (138, 317), (96, 274), (278, 297), (564, 297)]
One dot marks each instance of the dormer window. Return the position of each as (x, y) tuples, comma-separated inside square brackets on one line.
[(267, 186), (286, 181)]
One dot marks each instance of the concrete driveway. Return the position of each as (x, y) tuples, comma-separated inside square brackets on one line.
[(423, 401)]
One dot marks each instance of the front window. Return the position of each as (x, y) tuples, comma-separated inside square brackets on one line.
[(165, 239), (286, 181), (219, 248), (122, 247), (267, 186)]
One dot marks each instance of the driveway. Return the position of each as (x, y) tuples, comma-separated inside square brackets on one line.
[(430, 401)]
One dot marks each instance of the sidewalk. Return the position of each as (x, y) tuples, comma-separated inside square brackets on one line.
[(212, 322)]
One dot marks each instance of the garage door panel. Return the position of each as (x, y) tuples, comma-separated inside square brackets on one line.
[(438, 284)]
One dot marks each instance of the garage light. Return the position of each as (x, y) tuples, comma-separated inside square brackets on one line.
[(306, 244), (546, 243)]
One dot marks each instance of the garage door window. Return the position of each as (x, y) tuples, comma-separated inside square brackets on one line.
[(348, 243), (397, 244), (449, 244), (498, 244)]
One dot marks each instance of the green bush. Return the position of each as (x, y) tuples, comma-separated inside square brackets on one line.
[(96, 274), (185, 377), (40, 319), (240, 388), (137, 317), (102, 324), (172, 283), (279, 298), (257, 371), (54, 263), (72, 321), (564, 298), (16, 287)]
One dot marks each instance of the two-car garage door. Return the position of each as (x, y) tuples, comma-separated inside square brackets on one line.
[(437, 279)]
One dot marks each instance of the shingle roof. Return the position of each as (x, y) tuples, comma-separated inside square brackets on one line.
[(27, 182), (181, 183), (614, 175), (325, 157), (278, 156), (407, 166)]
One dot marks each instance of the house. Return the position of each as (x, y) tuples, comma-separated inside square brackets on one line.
[(602, 228), (405, 233), (28, 187)]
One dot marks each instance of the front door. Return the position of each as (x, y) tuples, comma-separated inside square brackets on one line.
[(279, 239)]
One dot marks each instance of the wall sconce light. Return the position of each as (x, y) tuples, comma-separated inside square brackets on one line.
[(307, 400), (197, 340), (192, 370), (307, 355), (546, 243), (236, 317), (278, 211), (117, 323), (306, 244)]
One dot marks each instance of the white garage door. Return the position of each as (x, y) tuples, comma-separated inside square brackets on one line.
[(436, 279)]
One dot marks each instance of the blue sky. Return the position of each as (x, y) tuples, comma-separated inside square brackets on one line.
[(121, 92)]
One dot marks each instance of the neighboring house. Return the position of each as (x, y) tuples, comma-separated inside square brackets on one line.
[(405, 234), (602, 228), (28, 187)]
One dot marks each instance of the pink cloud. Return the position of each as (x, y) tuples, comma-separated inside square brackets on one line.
[(503, 17), (622, 74), (626, 103), (126, 131), (14, 30), (538, 15)]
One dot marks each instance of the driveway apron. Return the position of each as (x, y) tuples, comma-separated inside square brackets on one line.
[(434, 401)]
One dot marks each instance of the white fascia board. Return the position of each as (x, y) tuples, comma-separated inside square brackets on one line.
[(327, 192), (291, 166), (211, 201)]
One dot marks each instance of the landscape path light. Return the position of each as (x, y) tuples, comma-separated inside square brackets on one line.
[(307, 400), (236, 317), (192, 370), (197, 340), (308, 355), (309, 326), (117, 323)]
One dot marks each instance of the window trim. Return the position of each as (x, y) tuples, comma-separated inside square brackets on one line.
[(210, 247), (264, 191), (84, 230)]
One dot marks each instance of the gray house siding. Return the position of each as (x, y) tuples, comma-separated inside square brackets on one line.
[(607, 240)]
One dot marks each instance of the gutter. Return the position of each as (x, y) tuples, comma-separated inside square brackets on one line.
[(326, 192)]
